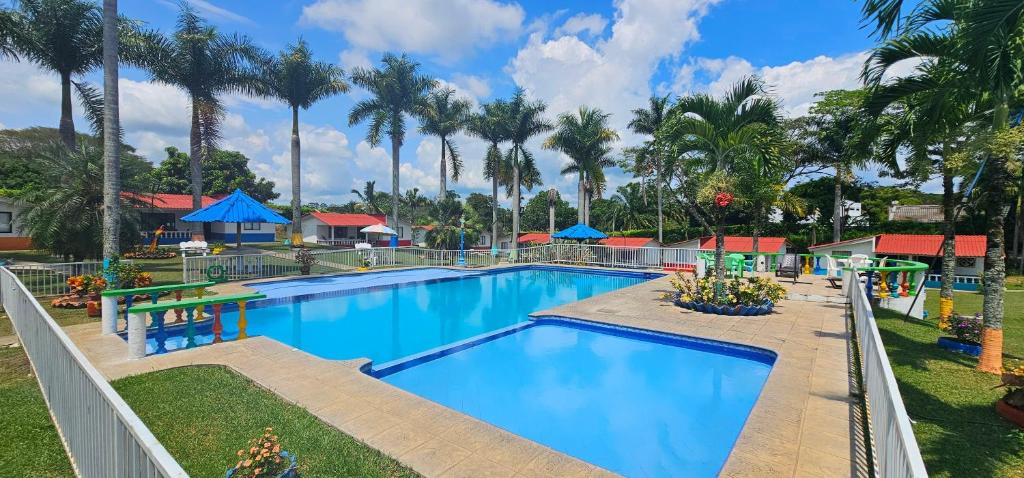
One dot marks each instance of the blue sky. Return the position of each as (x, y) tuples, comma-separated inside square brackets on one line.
[(611, 55)]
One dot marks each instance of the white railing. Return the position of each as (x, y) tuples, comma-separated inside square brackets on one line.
[(277, 264), (102, 435), (51, 279), (338, 242), (895, 451), (181, 235), (956, 279)]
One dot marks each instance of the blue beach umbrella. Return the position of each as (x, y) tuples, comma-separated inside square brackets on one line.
[(580, 232), (237, 208)]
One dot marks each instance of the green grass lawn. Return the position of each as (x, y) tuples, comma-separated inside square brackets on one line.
[(32, 447), (956, 425), (203, 415)]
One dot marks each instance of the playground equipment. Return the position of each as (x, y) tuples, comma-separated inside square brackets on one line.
[(156, 239)]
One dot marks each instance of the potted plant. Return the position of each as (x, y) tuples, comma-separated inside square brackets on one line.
[(364, 263), (305, 259), (263, 458), (1011, 406), (749, 296), (966, 334)]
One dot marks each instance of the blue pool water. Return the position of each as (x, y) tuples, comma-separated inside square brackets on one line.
[(390, 315), (641, 405)]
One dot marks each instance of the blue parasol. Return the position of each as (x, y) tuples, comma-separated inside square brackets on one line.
[(579, 232)]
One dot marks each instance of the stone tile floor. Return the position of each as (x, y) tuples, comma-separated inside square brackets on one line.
[(804, 424)]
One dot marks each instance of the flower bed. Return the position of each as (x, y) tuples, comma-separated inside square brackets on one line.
[(145, 253), (745, 297), (966, 334)]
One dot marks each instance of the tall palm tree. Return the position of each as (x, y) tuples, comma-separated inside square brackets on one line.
[(398, 89), (552, 201), (63, 36), (715, 135), (205, 64), (296, 79), (111, 134), (444, 116), (586, 138), (524, 122), (980, 40), (648, 122), (491, 124)]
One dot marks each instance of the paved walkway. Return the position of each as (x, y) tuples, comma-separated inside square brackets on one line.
[(804, 423)]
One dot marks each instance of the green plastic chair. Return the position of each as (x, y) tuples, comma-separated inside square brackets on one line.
[(735, 264)]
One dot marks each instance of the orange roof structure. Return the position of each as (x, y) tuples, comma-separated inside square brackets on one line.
[(928, 245), (535, 237)]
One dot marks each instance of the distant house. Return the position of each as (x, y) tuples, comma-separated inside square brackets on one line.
[(540, 238), (930, 213), (342, 229), (12, 236), (485, 242), (161, 209), (738, 244), (419, 234), (926, 248)]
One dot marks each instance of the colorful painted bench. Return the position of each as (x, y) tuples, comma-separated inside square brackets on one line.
[(110, 297), (193, 310)]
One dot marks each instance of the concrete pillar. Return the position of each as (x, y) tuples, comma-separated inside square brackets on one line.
[(701, 270), (108, 309), (136, 335)]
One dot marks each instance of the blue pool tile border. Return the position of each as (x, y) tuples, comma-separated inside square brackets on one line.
[(747, 352)]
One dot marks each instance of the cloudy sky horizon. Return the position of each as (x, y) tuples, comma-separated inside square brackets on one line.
[(611, 55)]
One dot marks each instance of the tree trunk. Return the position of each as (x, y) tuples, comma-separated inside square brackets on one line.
[(719, 252), (494, 211), (111, 139), (586, 207), (296, 180), (195, 153), (661, 217), (837, 207), (948, 246), (444, 173), (581, 202), (756, 233), (516, 196), (551, 216), (996, 208), (395, 147), (67, 122), (1019, 224), (238, 236)]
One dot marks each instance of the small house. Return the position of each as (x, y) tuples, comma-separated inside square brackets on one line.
[(342, 229), (162, 209), (12, 235)]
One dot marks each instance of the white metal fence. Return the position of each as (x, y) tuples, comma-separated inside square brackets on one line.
[(255, 266), (102, 435), (51, 279), (895, 451)]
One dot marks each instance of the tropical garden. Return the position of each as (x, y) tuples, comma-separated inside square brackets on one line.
[(708, 165)]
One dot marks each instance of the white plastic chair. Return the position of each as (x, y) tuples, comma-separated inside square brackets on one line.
[(858, 260)]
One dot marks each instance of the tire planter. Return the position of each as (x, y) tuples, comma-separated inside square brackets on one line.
[(737, 310), (291, 472), (950, 343), (1011, 413)]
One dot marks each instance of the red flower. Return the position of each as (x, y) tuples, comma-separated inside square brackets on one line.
[(723, 199)]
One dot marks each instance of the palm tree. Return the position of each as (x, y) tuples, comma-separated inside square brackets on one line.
[(586, 139), (978, 39), (204, 64), (8, 30), (398, 89), (491, 125), (524, 122), (414, 201), (369, 198), (63, 36), (445, 116), (714, 136), (296, 79), (648, 122), (552, 201), (111, 134), (628, 210)]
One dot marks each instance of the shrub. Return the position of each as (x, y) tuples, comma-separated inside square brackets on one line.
[(305, 258), (737, 291), (965, 328)]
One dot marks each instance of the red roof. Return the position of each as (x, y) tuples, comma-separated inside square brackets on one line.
[(535, 237), (744, 244), (626, 241), (165, 201), (848, 241), (928, 245), (343, 219), (428, 227)]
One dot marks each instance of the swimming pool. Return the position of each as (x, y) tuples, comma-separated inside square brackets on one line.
[(389, 315), (633, 402)]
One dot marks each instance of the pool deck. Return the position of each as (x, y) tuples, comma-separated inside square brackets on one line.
[(805, 423)]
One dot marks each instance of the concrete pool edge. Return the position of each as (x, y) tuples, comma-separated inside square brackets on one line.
[(801, 425)]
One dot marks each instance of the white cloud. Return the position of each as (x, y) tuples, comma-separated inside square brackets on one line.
[(213, 11), (476, 86), (795, 83), (591, 25), (354, 58), (445, 28)]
